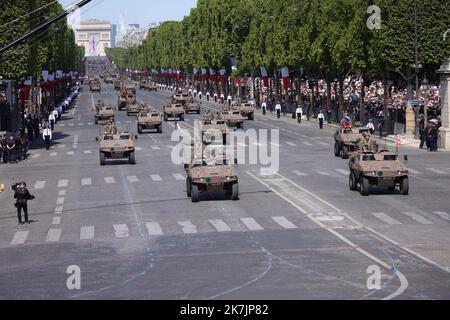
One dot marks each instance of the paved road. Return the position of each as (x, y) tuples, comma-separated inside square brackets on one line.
[(295, 234)]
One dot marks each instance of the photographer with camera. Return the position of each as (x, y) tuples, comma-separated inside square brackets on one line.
[(22, 195)]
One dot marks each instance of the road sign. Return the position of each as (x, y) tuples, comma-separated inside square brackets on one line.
[(415, 103)]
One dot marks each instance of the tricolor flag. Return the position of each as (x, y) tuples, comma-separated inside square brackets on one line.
[(204, 77), (264, 77), (212, 74), (195, 74), (286, 78), (222, 75), (233, 63)]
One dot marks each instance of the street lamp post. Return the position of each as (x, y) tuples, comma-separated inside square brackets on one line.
[(425, 86)]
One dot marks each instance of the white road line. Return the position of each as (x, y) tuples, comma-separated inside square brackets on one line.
[(251, 224), (121, 231), (322, 173), (63, 183), (155, 148), (188, 227), (53, 154), (156, 177), (90, 124), (59, 210), (436, 171), (443, 215), (71, 125), (36, 156), (179, 177), (81, 124), (53, 235), (285, 223), (385, 218), (154, 229), (39, 185), (291, 144), (220, 225), (87, 233), (19, 238), (322, 143), (418, 218), (307, 143), (61, 146), (60, 201), (62, 193), (110, 180), (119, 122), (138, 149), (299, 173), (87, 152), (414, 171), (70, 153), (132, 179), (86, 181), (56, 221), (342, 171)]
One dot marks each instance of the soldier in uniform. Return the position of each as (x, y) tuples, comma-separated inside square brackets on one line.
[(367, 143)]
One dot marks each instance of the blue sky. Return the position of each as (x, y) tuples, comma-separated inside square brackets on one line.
[(142, 12)]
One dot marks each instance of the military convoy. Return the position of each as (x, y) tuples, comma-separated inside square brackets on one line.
[(109, 80), (192, 105), (95, 85), (127, 94), (148, 118), (233, 118), (116, 144), (346, 140), (133, 107), (174, 111), (103, 113)]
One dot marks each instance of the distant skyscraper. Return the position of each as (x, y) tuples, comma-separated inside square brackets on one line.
[(113, 35)]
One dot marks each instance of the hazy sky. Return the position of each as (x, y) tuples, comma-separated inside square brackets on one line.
[(142, 12)]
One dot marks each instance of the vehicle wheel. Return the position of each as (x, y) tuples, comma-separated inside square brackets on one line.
[(160, 128), (235, 192), (132, 158), (102, 159), (337, 150), (352, 182), (195, 193), (166, 117), (344, 152), (182, 117), (251, 117), (404, 186), (139, 129), (188, 188), (96, 121), (364, 186), (199, 112)]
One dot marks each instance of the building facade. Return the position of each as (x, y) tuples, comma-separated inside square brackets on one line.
[(95, 36)]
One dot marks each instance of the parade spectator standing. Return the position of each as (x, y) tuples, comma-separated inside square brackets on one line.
[(321, 119), (4, 149), (264, 107), (47, 135), (423, 135), (299, 113), (36, 126), (51, 119), (229, 99), (11, 149), (200, 94), (215, 97), (207, 95), (371, 127), (278, 110), (222, 98)]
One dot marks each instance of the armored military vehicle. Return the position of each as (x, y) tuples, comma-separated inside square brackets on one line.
[(103, 113), (247, 111), (233, 118), (109, 80), (207, 174), (133, 107), (126, 94), (151, 86), (143, 84), (381, 169), (117, 85), (95, 85), (346, 141), (149, 118), (180, 98), (192, 105), (117, 145), (173, 111), (213, 127)]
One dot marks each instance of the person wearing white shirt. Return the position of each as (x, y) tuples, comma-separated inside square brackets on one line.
[(51, 119), (66, 104), (222, 98), (207, 95), (47, 136), (321, 119), (216, 96), (229, 99), (56, 115), (200, 94), (278, 110), (264, 107), (195, 93), (371, 127), (299, 113), (190, 91)]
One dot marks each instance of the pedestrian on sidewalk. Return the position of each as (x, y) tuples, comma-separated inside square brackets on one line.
[(299, 113), (51, 119), (423, 135), (222, 98), (264, 107), (321, 119), (22, 195), (229, 99), (47, 135), (215, 97), (207, 95), (4, 149), (278, 110), (371, 127), (56, 115), (11, 149)]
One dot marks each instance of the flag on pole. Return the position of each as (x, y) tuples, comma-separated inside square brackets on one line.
[(195, 74), (222, 75), (264, 77), (233, 63), (286, 78), (212, 74), (204, 77)]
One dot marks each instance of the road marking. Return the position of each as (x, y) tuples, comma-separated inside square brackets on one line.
[(87, 152), (36, 156), (121, 231), (322, 143), (155, 148), (53, 154), (62, 125), (291, 144), (251, 224), (81, 124), (59, 210), (56, 221), (179, 176), (443, 215), (307, 143), (132, 179), (119, 122), (154, 229), (60, 201), (110, 180), (53, 235), (342, 171), (436, 171), (19, 238), (62, 193), (61, 146), (418, 218), (285, 223), (156, 177), (90, 124), (39, 185), (188, 227), (220, 225), (87, 233), (70, 153), (138, 149), (86, 181), (385, 218), (63, 183), (322, 173), (414, 171), (71, 125), (299, 173)]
